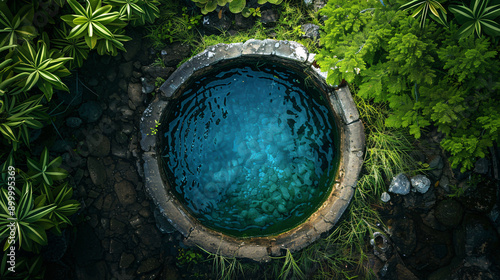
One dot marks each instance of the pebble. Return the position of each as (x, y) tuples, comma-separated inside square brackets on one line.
[(400, 185)]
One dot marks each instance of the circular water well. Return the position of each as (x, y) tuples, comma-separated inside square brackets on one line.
[(248, 170)]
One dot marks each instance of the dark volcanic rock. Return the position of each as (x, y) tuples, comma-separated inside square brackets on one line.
[(174, 53), (480, 198), (449, 212), (404, 235)]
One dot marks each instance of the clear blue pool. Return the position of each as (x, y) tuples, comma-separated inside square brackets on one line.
[(250, 150)]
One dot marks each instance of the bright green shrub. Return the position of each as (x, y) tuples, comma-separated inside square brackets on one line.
[(427, 76)]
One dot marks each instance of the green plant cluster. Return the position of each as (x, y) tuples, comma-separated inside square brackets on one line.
[(36, 57), (42, 202), (40, 41), (173, 27), (235, 6), (430, 76), (288, 27)]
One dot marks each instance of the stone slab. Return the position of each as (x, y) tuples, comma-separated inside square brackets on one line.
[(149, 116), (349, 112)]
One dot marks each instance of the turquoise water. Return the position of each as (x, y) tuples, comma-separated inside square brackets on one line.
[(250, 150)]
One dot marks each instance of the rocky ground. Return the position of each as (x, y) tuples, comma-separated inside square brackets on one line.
[(447, 230), (118, 235)]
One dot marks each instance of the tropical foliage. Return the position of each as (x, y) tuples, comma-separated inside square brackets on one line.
[(430, 76), (235, 6), (39, 41), (421, 9), (479, 17)]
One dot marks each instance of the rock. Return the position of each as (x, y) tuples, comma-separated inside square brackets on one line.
[(126, 260), (434, 249), (109, 202), (449, 212), (107, 125), (98, 144), (149, 236), (436, 165), (482, 166), (381, 247), (404, 236), (420, 183), (162, 223), (111, 74), (241, 22), (119, 150), (115, 247), (132, 47), (467, 272), (149, 265), (121, 137), (169, 272), (136, 221), (479, 237), (268, 17), (174, 53), (400, 185), (318, 4), (148, 86), (430, 220), (460, 176), (157, 71), (310, 31), (404, 273), (444, 273), (126, 70), (90, 111), (136, 74), (479, 196), (116, 226), (385, 197), (135, 93), (214, 24), (61, 146), (122, 84), (73, 122), (97, 171), (125, 192)]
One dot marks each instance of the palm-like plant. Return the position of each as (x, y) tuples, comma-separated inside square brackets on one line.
[(59, 196), (16, 27), (422, 8), (45, 171), (477, 18), (75, 47), (15, 119), (128, 8), (6, 69), (94, 22), (29, 220), (151, 12), (38, 66)]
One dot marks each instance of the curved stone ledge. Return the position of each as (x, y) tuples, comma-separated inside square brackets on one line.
[(256, 248)]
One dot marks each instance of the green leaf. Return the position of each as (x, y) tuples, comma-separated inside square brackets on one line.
[(236, 6), (77, 8), (211, 6), (35, 233)]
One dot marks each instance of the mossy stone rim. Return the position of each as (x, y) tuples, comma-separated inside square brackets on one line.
[(352, 145)]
